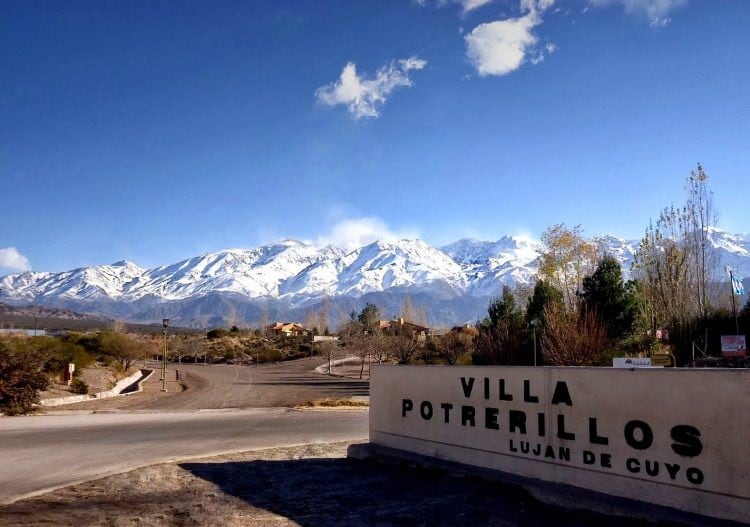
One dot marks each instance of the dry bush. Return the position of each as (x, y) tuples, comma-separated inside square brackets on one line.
[(21, 379), (450, 347), (404, 348), (572, 338)]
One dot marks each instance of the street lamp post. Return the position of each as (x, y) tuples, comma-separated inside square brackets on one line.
[(533, 327), (165, 323)]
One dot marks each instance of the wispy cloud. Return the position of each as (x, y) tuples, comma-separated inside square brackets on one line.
[(502, 46), (363, 97), (655, 11), (471, 5), (13, 260), (351, 233)]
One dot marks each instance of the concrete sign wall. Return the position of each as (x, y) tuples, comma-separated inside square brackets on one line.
[(679, 438)]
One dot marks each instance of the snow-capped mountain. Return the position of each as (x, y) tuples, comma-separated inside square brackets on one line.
[(453, 282), (489, 265)]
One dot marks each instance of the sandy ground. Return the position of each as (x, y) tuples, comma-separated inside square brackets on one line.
[(151, 393), (98, 378), (312, 485)]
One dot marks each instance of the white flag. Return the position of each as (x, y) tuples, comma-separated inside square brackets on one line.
[(737, 286)]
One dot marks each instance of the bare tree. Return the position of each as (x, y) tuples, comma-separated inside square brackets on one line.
[(329, 349), (404, 347), (450, 347), (572, 338), (117, 326), (263, 321)]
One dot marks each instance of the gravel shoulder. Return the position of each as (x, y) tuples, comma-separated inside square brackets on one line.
[(311, 485)]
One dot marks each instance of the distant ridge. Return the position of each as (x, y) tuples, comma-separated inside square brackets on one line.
[(284, 279)]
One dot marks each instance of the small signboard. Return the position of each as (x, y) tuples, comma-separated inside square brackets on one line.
[(733, 346), (631, 362), (661, 359)]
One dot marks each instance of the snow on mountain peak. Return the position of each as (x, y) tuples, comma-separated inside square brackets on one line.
[(299, 272)]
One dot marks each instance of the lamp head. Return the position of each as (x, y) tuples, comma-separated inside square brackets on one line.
[(165, 322)]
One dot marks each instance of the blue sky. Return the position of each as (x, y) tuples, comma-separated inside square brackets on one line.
[(155, 131)]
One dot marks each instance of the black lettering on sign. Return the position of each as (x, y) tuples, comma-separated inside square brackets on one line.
[(504, 396), (425, 410), (467, 415), (647, 435), (672, 470), (406, 406), (589, 458), (486, 387), (527, 397), (687, 439), (694, 476), (541, 423), (447, 407), (490, 418), (561, 433), (562, 395), (606, 460), (468, 386), (652, 468), (517, 421), (633, 465), (594, 437)]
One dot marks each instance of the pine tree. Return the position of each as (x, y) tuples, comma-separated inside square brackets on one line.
[(606, 294), (544, 293)]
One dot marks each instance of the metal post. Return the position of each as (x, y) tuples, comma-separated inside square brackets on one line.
[(533, 328), (165, 323)]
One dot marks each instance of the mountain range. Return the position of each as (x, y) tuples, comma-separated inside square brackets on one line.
[(285, 280)]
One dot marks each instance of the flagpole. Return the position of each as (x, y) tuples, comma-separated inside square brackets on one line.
[(734, 306)]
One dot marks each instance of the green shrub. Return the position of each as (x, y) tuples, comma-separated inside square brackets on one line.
[(79, 386)]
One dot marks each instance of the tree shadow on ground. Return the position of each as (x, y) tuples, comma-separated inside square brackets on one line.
[(346, 492)]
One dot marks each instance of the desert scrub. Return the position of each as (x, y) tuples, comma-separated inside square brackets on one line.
[(79, 386)]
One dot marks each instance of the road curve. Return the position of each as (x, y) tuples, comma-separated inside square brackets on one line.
[(41, 453)]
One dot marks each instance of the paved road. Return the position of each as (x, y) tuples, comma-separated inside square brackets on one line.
[(236, 386), (233, 386), (39, 453)]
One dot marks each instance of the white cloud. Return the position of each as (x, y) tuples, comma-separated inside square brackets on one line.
[(655, 11), (363, 97), (536, 5), (501, 47), (471, 5), (356, 232), (11, 259), (551, 48)]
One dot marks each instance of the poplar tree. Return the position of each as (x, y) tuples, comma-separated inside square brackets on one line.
[(566, 258)]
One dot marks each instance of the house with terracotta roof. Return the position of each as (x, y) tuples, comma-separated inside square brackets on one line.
[(399, 326), (287, 329)]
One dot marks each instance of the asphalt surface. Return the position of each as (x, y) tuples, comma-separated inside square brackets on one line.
[(40, 453), (267, 385), (232, 386), (224, 408)]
